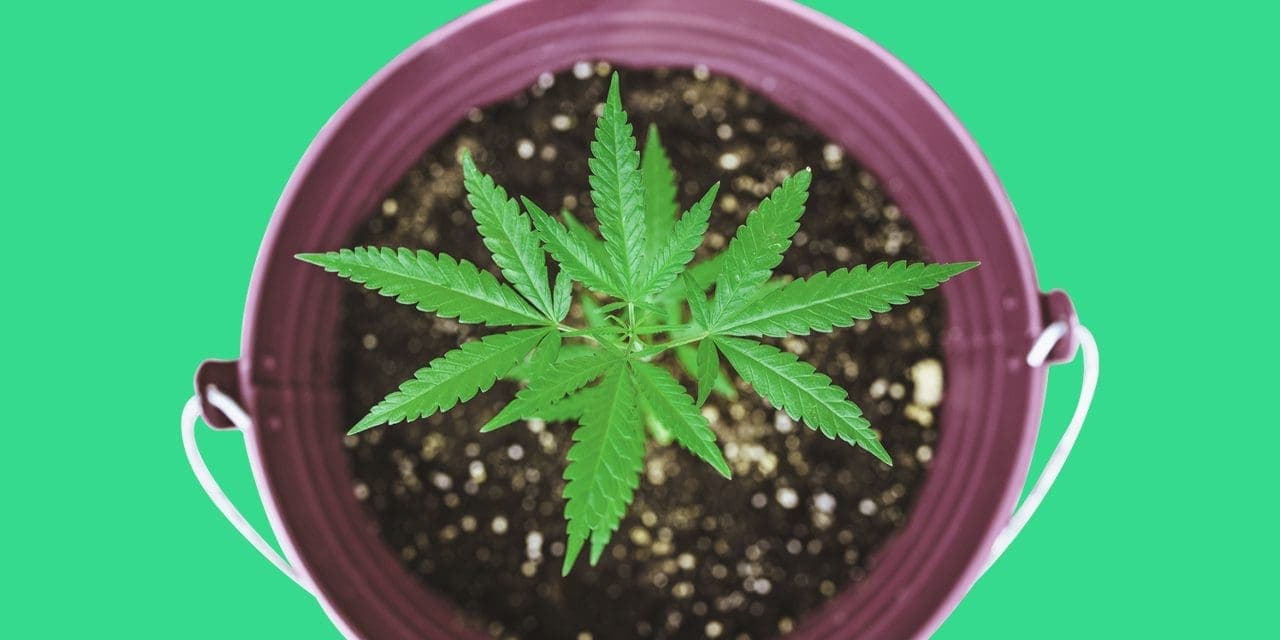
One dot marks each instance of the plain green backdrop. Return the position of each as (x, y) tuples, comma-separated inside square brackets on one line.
[(144, 147)]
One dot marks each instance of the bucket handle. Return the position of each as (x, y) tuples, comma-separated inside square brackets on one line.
[(1037, 357), (241, 422)]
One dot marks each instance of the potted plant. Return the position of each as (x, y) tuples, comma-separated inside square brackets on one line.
[(430, 529)]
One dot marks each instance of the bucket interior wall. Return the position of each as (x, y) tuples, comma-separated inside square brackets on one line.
[(846, 87)]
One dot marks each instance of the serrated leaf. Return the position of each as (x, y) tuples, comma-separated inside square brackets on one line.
[(551, 384), (708, 369), (548, 351), (570, 407), (562, 296), (434, 283), (758, 245), (526, 369), (702, 274), (618, 193), (796, 387), (678, 414), (687, 357), (657, 431), (705, 273), (592, 313), (585, 236), (573, 255), (679, 244), (827, 300), (604, 466), (697, 299), (508, 235), (660, 206), (455, 377)]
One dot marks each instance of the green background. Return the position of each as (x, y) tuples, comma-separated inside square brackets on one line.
[(144, 147)]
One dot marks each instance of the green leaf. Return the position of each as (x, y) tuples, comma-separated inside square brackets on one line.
[(592, 313), (562, 296), (687, 357), (585, 236), (508, 235), (570, 407), (574, 256), (698, 277), (705, 273), (657, 432), (677, 412), (806, 395), (758, 245), (659, 180), (528, 368), (548, 351), (697, 300), (455, 377), (827, 300), (604, 466), (553, 383), (450, 288), (708, 369), (618, 193), (679, 244)]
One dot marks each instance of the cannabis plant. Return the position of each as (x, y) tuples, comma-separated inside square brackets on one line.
[(641, 300)]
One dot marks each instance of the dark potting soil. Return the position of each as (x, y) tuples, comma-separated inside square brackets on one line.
[(478, 518)]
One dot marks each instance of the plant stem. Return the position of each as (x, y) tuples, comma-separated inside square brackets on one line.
[(572, 332), (659, 348), (660, 328)]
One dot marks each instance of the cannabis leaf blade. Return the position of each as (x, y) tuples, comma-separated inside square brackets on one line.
[(574, 255), (604, 466), (523, 371), (548, 351), (706, 272), (561, 296), (659, 180), (586, 237), (827, 300), (570, 407), (708, 369), (806, 395), (508, 235), (455, 377), (451, 288), (697, 301), (618, 193), (758, 245), (551, 384), (679, 244), (675, 410), (687, 357)]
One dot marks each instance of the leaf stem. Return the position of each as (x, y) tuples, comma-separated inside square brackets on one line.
[(573, 332), (659, 348), (659, 328)]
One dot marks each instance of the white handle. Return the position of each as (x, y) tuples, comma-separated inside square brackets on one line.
[(240, 419), (1036, 358)]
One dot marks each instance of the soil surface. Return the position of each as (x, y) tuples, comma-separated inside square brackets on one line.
[(478, 518)]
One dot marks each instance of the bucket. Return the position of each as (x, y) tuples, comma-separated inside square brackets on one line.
[(283, 393)]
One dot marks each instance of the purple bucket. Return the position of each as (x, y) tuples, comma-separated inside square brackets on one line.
[(845, 86)]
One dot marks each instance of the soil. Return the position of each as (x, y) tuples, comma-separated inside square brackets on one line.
[(478, 518)]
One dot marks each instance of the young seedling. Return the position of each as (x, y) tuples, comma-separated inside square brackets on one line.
[(641, 300)]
